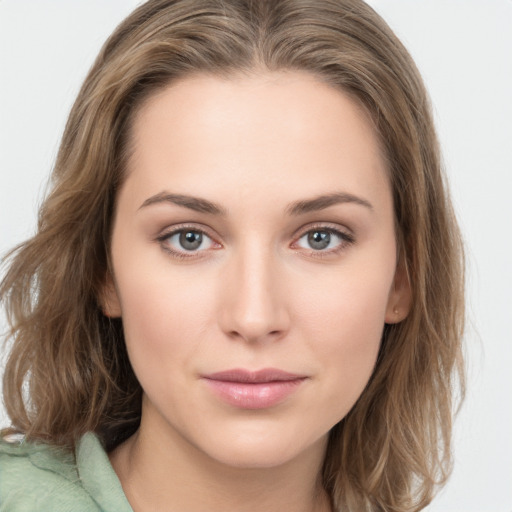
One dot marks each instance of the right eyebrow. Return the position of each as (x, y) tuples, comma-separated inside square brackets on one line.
[(196, 204)]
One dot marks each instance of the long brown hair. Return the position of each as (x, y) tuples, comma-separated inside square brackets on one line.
[(68, 371)]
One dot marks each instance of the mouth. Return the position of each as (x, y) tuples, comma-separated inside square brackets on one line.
[(260, 389)]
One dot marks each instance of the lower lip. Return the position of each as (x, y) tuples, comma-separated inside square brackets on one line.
[(257, 395)]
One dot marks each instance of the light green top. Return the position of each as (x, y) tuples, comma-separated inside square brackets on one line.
[(41, 478)]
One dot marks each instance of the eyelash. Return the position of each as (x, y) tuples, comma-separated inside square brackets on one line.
[(346, 239), (182, 255)]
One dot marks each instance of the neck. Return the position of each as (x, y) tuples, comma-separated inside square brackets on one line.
[(163, 472)]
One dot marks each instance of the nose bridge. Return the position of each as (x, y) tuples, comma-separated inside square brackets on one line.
[(253, 307)]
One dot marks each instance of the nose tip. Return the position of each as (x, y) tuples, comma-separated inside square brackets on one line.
[(253, 331), (253, 305)]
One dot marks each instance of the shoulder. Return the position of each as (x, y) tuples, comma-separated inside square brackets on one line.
[(38, 477)]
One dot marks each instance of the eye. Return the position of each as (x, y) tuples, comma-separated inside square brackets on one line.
[(324, 239), (186, 242)]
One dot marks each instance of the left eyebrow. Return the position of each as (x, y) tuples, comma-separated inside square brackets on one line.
[(325, 201)]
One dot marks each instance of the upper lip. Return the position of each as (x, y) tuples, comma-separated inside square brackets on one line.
[(254, 377)]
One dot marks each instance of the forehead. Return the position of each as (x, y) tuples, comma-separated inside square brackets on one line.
[(273, 129)]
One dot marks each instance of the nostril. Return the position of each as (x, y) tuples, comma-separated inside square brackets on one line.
[(258, 336)]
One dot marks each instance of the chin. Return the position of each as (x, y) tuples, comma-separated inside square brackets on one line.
[(263, 450)]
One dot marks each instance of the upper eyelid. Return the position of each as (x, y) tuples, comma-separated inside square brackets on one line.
[(322, 226), (171, 230)]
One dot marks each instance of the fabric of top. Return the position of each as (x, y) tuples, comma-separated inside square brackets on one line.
[(36, 477)]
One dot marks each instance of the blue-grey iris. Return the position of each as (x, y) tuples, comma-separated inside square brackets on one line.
[(319, 239), (191, 240)]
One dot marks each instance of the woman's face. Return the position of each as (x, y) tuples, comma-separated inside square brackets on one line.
[(254, 263)]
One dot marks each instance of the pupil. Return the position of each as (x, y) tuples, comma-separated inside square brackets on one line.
[(319, 239), (190, 240)]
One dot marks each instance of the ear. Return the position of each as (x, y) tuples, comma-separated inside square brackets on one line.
[(109, 298), (400, 296)]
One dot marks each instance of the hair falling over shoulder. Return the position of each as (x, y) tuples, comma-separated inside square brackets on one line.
[(68, 371)]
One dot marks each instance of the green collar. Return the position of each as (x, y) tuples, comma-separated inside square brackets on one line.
[(89, 472), (98, 477)]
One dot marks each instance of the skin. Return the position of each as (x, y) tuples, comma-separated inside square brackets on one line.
[(255, 294)]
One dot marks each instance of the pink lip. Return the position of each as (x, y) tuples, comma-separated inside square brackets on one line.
[(253, 390)]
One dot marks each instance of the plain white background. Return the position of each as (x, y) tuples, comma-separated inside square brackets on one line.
[(464, 51)]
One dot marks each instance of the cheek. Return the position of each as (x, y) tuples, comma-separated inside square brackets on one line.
[(165, 318), (348, 305), (351, 330), (343, 321)]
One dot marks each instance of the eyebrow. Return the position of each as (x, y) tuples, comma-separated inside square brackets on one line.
[(296, 208), (325, 201), (192, 203)]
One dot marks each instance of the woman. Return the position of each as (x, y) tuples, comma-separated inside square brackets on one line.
[(245, 292)]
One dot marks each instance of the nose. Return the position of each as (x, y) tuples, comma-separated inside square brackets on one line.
[(253, 304)]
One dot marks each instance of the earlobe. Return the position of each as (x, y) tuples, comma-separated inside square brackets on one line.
[(109, 299), (400, 297)]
